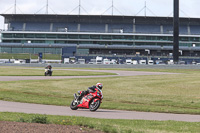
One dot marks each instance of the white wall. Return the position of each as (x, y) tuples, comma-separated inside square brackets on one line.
[(1, 22)]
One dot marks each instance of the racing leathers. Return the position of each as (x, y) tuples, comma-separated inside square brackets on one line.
[(89, 90)]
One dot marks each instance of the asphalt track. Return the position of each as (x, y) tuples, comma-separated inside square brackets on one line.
[(6, 106), (100, 113)]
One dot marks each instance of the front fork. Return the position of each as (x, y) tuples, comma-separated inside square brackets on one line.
[(76, 99)]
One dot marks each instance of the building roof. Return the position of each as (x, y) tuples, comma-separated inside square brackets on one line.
[(94, 18)]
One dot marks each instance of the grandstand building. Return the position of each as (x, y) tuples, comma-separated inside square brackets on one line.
[(99, 35)]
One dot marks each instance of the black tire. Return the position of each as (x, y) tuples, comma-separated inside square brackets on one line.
[(45, 74), (94, 105), (50, 73), (73, 105)]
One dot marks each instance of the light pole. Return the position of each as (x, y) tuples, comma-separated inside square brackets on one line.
[(176, 32)]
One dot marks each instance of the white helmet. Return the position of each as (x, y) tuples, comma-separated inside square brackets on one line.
[(99, 86)]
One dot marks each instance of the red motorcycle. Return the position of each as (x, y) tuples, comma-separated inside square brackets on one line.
[(90, 101)]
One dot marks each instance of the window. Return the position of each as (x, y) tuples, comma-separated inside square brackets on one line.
[(170, 38), (84, 36), (40, 36), (184, 39), (59, 41), (148, 38), (95, 37), (140, 37), (39, 50), (118, 37), (73, 42), (6, 50), (194, 39), (73, 36), (62, 36), (84, 42), (18, 35), (7, 35), (128, 37), (51, 36), (38, 41), (151, 38), (108, 37), (28, 50), (162, 38), (17, 50), (29, 35)]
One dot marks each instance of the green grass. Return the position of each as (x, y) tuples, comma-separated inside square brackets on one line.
[(108, 125), (25, 71), (177, 93)]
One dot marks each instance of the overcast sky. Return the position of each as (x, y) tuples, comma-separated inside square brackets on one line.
[(188, 8)]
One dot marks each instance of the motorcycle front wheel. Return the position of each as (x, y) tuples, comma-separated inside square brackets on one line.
[(94, 105), (73, 105)]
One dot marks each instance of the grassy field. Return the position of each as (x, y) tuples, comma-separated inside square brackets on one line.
[(177, 93), (108, 125), (25, 71)]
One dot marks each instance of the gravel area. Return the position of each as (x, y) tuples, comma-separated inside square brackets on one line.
[(19, 127)]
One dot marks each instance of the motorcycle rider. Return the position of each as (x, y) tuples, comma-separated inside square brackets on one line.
[(48, 67), (98, 86), (48, 70)]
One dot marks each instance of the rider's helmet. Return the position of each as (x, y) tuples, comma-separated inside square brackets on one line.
[(99, 86), (49, 66)]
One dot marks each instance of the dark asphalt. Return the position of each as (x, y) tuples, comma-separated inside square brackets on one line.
[(100, 113)]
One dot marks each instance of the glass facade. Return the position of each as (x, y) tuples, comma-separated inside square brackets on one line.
[(30, 50), (108, 39), (144, 41)]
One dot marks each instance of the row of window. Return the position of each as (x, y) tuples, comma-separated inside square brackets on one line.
[(103, 43), (57, 51), (30, 50), (96, 37)]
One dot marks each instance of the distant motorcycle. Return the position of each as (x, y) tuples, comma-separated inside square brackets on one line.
[(48, 72), (90, 101)]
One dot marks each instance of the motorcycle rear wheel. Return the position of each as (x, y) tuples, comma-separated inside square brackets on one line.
[(73, 105), (94, 105)]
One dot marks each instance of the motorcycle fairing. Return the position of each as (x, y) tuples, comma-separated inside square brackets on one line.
[(86, 100)]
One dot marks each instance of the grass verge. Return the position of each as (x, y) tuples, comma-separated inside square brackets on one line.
[(107, 125), (24, 71)]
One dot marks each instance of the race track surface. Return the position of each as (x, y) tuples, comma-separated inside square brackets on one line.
[(100, 113), (6, 106)]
